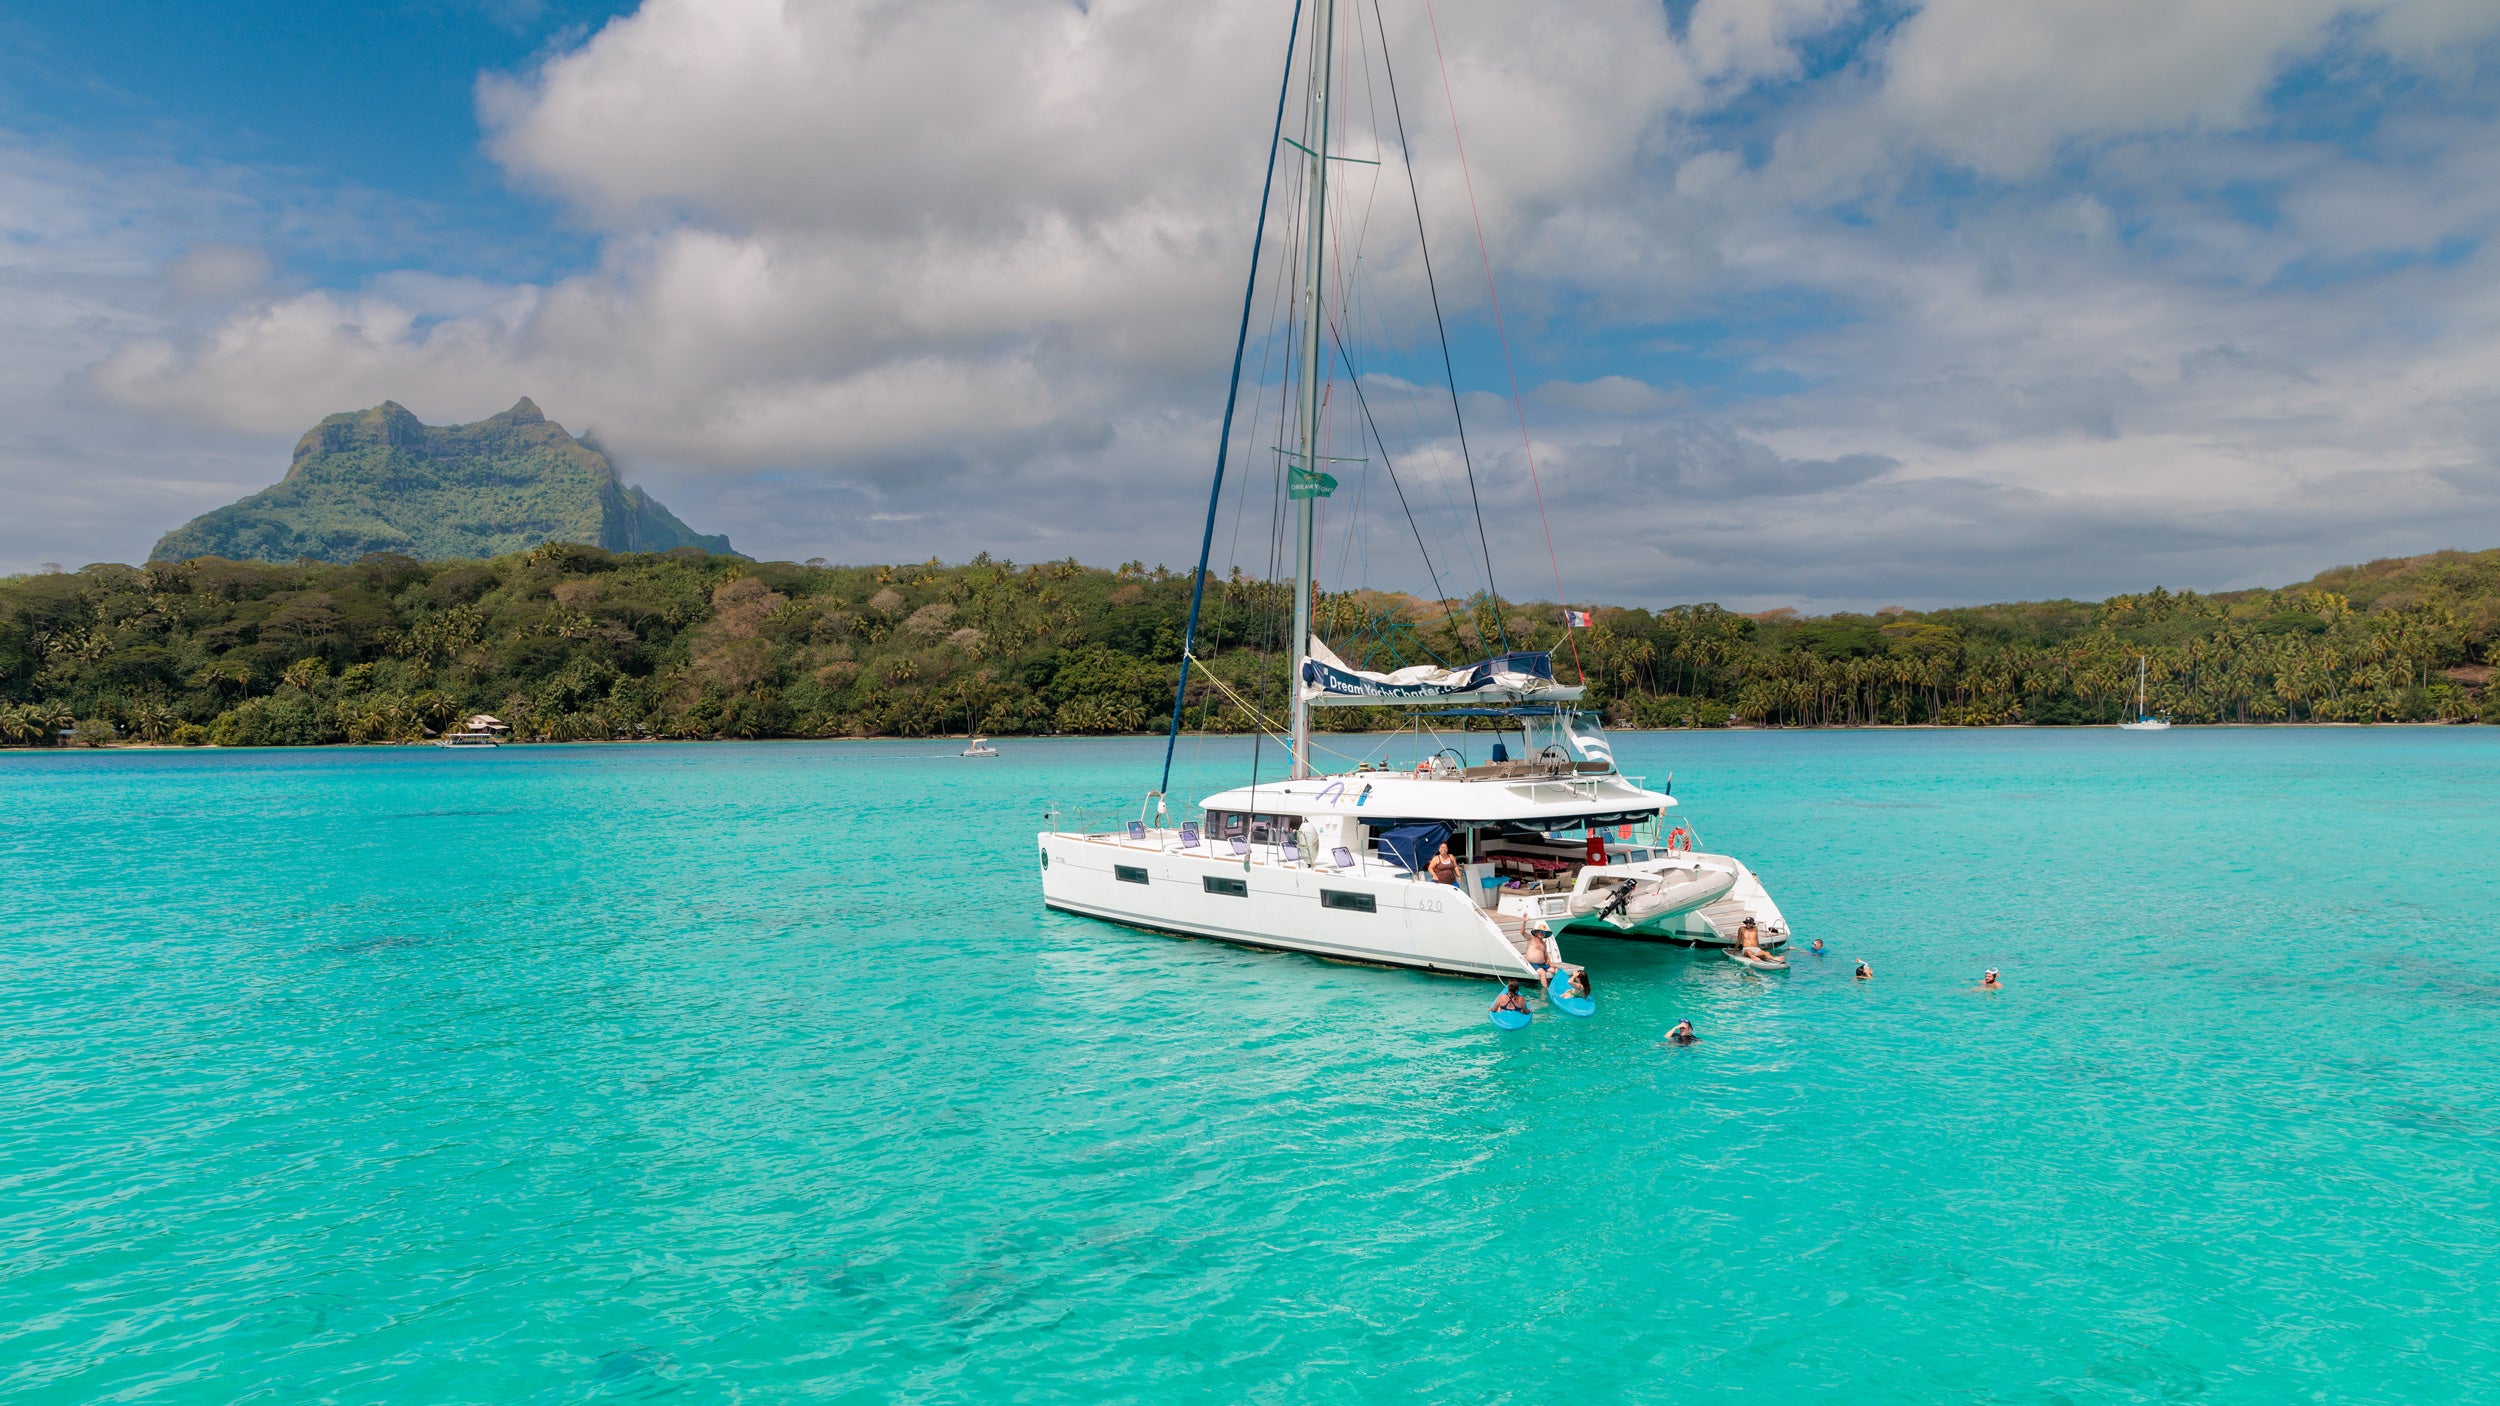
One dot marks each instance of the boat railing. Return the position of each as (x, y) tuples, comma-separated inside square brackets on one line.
[(1265, 854), (1530, 771)]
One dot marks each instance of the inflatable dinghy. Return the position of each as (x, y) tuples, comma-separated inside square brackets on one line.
[(1627, 903)]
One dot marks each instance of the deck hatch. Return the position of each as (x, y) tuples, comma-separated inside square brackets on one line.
[(1128, 873), (1350, 902)]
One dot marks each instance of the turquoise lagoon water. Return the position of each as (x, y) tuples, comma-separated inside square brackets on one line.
[(755, 1073)]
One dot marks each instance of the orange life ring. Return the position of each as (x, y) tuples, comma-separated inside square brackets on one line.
[(1679, 838)]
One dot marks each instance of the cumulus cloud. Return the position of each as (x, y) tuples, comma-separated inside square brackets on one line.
[(2052, 282)]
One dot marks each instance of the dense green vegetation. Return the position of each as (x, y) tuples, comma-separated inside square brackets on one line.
[(379, 481), (569, 641)]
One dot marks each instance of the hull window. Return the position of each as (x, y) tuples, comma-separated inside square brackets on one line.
[(1350, 902), (1238, 888), (1128, 873)]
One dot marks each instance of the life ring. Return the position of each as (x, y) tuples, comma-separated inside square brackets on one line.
[(1597, 848), (1679, 839)]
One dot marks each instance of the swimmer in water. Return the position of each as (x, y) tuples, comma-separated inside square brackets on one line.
[(1510, 999), (1817, 949), (1988, 982), (1864, 971), (1682, 1034)]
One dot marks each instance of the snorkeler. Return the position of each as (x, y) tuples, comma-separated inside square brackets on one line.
[(1682, 1034), (1864, 971), (1988, 981)]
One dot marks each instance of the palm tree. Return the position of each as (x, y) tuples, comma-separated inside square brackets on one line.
[(22, 726), (154, 721), (220, 677)]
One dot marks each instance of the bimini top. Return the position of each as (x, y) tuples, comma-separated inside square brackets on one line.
[(1516, 795), (1518, 677)]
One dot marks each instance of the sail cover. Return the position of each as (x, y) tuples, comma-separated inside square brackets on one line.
[(1518, 677)]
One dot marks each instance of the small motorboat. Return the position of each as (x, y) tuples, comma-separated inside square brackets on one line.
[(979, 746)]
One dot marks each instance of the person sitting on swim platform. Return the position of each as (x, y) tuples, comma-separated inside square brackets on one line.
[(1444, 866)]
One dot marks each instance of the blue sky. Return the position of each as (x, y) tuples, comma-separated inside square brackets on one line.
[(377, 98), (1815, 302)]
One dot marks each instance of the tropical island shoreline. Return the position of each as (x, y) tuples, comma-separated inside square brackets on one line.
[(570, 642)]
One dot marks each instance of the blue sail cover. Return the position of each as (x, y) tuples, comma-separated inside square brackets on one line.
[(1504, 677), (1411, 846)]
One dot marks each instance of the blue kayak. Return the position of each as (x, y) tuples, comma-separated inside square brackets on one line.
[(1511, 1020), (1560, 994)]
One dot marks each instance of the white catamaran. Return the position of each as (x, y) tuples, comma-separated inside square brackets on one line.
[(1340, 864)]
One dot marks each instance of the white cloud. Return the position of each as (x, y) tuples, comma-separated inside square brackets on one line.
[(894, 278), (90, 259)]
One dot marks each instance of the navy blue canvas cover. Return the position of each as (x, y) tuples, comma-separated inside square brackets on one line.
[(1411, 846)]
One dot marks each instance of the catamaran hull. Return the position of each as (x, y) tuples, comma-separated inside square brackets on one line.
[(1348, 916)]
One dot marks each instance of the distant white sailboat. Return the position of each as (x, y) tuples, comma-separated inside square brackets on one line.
[(2144, 721)]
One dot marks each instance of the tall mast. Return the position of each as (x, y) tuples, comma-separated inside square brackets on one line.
[(1315, 130)]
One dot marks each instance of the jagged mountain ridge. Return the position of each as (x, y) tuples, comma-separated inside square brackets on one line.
[(380, 480)]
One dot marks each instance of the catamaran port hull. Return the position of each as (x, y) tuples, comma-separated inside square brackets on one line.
[(1379, 917)]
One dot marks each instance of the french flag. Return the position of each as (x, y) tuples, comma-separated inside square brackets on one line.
[(1579, 619)]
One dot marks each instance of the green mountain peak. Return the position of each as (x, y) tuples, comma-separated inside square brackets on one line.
[(381, 480)]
